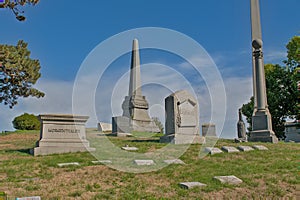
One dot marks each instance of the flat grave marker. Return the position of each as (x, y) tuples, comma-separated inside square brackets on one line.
[(260, 147), (144, 162), (190, 185), (101, 161), (29, 198), (245, 148), (174, 161), (68, 164), (130, 148), (212, 150), (233, 180), (230, 149)]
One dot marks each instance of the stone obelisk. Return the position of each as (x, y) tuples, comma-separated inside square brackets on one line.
[(261, 119), (135, 105)]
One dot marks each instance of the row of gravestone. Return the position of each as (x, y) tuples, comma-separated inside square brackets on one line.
[(230, 149), (210, 150), (231, 180)]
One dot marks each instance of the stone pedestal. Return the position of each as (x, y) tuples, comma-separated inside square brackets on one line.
[(292, 132), (209, 130), (262, 131), (62, 134), (121, 124)]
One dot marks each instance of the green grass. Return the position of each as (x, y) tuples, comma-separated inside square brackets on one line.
[(265, 174)]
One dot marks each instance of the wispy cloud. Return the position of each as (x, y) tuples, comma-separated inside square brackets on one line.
[(158, 81), (274, 56)]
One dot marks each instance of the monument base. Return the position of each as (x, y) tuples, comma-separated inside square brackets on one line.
[(121, 124), (144, 126), (61, 134), (182, 139), (262, 128), (58, 148), (292, 132), (263, 136)]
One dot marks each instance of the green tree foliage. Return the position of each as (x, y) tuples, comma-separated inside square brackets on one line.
[(18, 73), (293, 58), (282, 93), (26, 122), (14, 4)]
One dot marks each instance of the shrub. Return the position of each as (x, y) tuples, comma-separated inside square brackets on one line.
[(26, 122)]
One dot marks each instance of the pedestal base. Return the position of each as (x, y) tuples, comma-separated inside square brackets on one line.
[(262, 128), (144, 126), (263, 136), (182, 139)]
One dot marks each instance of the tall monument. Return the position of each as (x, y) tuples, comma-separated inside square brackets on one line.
[(261, 119), (135, 106)]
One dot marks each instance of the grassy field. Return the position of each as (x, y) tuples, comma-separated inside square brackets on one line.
[(270, 174)]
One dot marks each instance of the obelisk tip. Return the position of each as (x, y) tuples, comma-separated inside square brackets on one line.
[(135, 44)]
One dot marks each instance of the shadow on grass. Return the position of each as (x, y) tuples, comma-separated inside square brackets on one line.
[(24, 151), (146, 140)]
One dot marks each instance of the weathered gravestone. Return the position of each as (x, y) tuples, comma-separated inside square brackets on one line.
[(182, 119), (190, 185), (292, 132), (241, 129), (121, 124), (233, 180), (62, 134), (209, 130), (104, 127)]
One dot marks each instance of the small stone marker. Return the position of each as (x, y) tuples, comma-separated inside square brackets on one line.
[(68, 164), (102, 162), (260, 147), (212, 150), (144, 162), (229, 149), (245, 148), (124, 134), (190, 185), (29, 198), (233, 180), (130, 148), (174, 161), (104, 127)]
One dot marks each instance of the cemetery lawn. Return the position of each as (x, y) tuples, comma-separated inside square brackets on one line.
[(266, 174)]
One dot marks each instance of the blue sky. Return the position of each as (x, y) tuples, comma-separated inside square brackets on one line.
[(61, 34)]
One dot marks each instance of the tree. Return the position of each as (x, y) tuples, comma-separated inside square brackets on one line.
[(26, 122), (13, 5), (293, 58), (18, 73), (282, 91)]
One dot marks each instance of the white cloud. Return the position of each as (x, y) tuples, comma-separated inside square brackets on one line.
[(159, 81), (274, 56)]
